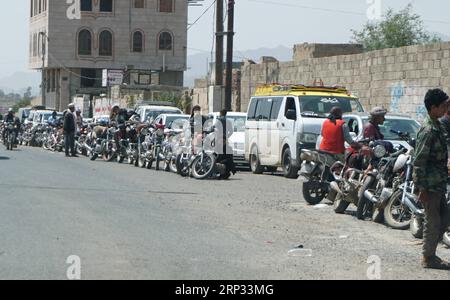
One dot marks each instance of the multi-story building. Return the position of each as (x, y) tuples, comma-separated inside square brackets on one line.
[(74, 41)]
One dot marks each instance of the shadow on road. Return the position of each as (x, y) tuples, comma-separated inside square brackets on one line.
[(4, 158)]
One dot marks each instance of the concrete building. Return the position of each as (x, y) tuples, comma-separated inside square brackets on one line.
[(75, 40)]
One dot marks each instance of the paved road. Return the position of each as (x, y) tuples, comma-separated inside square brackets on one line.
[(130, 223)]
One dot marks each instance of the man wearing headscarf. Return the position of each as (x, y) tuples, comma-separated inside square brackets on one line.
[(335, 132)]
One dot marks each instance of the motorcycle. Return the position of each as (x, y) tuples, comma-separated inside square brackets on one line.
[(10, 136), (316, 175), (349, 178), (381, 181), (104, 146)]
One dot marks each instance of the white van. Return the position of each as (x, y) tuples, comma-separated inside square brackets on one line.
[(283, 119)]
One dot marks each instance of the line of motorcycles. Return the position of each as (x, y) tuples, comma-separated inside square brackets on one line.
[(377, 179), (143, 145)]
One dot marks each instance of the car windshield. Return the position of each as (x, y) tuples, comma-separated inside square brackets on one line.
[(175, 120), (46, 117), (179, 123), (320, 106), (404, 125), (153, 114), (238, 123)]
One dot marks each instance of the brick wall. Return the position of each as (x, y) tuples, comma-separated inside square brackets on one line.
[(394, 78)]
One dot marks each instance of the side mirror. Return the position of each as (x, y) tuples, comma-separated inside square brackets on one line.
[(291, 114)]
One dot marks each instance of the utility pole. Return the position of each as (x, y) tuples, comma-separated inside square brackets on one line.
[(42, 34), (219, 43), (229, 72)]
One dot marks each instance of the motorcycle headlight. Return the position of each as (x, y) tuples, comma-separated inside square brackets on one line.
[(379, 151), (308, 138)]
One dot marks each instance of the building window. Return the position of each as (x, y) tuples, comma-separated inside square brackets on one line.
[(139, 3), (138, 41), (106, 5), (86, 5), (105, 43), (165, 41), (166, 6), (84, 42)]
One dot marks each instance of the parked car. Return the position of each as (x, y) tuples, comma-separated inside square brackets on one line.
[(148, 112), (237, 139), (397, 122), (42, 116), (23, 114), (284, 119), (172, 121)]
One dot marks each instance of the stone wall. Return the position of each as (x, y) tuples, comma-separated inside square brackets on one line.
[(394, 78)]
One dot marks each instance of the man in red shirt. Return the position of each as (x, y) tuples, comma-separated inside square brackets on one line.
[(335, 133)]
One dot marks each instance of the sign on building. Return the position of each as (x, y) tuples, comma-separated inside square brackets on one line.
[(112, 77)]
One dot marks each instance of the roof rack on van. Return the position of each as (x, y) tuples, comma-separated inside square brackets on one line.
[(155, 103), (268, 89)]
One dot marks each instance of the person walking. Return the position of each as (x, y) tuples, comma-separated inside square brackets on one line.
[(430, 177), (69, 131)]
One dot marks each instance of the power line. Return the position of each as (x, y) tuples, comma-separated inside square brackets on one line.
[(198, 19), (331, 10)]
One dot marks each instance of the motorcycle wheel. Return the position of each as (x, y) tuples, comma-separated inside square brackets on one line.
[(120, 159), (130, 159), (141, 162), (173, 165), (93, 155), (365, 206), (109, 156), (203, 169), (340, 205), (396, 214), (158, 158), (313, 193), (446, 239), (416, 227)]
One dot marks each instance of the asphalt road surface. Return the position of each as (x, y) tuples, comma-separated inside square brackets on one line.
[(129, 223)]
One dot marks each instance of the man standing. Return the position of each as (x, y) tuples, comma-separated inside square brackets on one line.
[(79, 119), (335, 132), (225, 128), (69, 131), (430, 177)]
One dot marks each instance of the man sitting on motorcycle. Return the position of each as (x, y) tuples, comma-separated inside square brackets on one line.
[(372, 129), (10, 118)]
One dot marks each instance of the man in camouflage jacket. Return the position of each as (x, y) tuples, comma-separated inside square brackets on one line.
[(430, 177)]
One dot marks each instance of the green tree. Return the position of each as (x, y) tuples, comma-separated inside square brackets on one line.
[(396, 29)]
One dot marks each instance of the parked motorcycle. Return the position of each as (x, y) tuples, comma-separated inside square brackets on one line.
[(316, 175), (382, 180), (349, 178), (105, 146)]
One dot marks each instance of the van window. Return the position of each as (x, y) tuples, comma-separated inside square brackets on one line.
[(290, 104), (264, 108), (252, 109), (320, 106), (276, 106)]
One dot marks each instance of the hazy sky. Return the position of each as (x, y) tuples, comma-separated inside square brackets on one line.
[(259, 23)]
